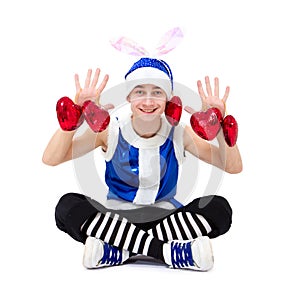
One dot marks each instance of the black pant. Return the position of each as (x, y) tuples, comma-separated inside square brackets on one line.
[(74, 209)]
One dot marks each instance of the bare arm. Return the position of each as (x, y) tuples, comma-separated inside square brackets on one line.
[(63, 146), (59, 148), (223, 157)]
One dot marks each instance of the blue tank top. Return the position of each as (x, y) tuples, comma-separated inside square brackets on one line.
[(143, 175)]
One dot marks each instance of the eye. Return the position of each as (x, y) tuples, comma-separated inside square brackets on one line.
[(138, 92), (158, 93)]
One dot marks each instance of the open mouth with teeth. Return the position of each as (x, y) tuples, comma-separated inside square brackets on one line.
[(148, 111)]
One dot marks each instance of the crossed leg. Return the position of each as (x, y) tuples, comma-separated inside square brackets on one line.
[(86, 220)]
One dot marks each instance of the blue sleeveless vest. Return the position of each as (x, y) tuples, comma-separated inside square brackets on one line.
[(143, 175)]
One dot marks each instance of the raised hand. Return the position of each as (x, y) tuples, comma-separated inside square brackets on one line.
[(90, 91), (89, 98), (211, 98), (71, 115), (207, 123)]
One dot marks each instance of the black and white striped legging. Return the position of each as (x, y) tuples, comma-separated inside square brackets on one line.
[(80, 217)]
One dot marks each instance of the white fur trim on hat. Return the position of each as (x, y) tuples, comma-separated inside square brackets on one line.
[(148, 75)]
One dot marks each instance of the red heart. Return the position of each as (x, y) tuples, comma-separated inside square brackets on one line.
[(69, 114), (230, 130), (207, 124), (97, 118), (173, 110)]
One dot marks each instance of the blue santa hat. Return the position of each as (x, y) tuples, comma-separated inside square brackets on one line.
[(150, 71)]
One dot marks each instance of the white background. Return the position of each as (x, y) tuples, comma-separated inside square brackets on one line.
[(253, 46)]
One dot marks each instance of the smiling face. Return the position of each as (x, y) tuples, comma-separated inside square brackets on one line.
[(147, 101)]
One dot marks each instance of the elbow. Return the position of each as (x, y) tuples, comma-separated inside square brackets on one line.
[(49, 161), (237, 168)]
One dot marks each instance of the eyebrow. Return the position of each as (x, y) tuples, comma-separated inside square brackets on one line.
[(142, 87)]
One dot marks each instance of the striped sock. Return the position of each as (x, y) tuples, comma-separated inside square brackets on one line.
[(119, 232), (181, 226)]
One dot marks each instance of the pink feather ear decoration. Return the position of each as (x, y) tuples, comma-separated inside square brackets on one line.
[(128, 46), (167, 43)]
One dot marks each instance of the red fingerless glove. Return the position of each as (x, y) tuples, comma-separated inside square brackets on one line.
[(208, 124), (230, 130), (173, 110), (97, 117), (69, 114)]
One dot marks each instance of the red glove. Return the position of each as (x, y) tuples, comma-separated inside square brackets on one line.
[(69, 114), (97, 117), (208, 124), (230, 130), (173, 110)]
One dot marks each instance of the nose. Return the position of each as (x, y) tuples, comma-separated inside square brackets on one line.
[(148, 100)]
